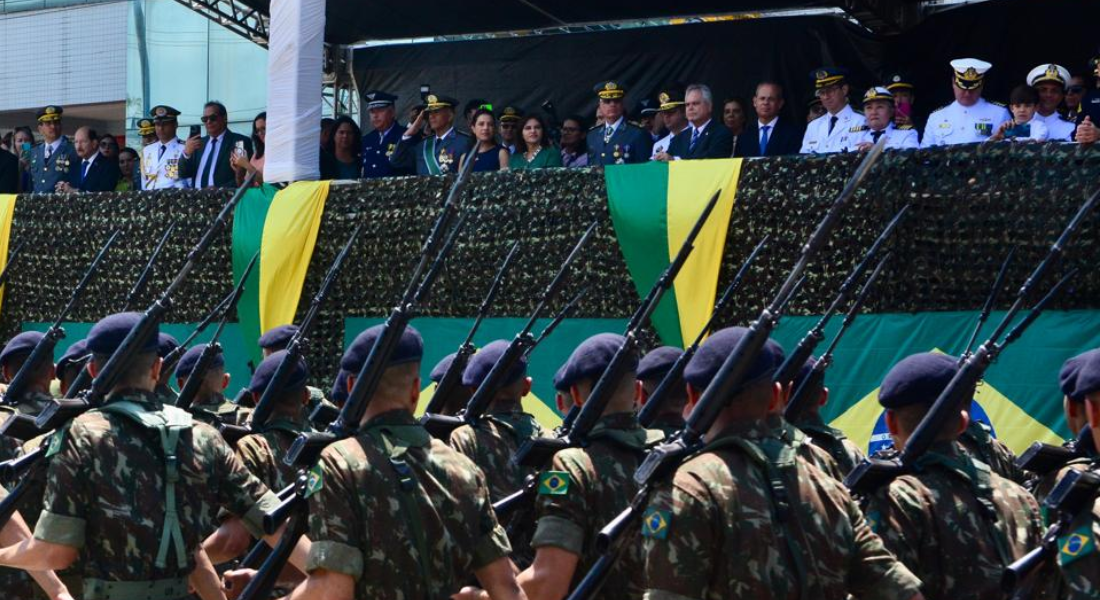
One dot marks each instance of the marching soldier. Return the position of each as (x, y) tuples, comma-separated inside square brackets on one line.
[(651, 371), (585, 488), (842, 450), (160, 160), (837, 129), (262, 453), (970, 118), (380, 144), (14, 354), (1078, 554), (66, 370), (878, 110), (953, 521), (460, 394), (1073, 405), (277, 339), (797, 440), (209, 404), (718, 529), (439, 152), (978, 441), (55, 159), (377, 525), (616, 141), (166, 344)]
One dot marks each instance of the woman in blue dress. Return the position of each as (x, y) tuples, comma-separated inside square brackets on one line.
[(490, 156)]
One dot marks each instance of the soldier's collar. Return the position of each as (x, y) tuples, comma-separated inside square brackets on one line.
[(619, 420), (754, 429), (135, 395), (399, 424)]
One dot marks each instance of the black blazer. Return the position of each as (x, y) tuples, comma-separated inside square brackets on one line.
[(715, 142), (102, 176), (224, 176), (784, 138), (9, 173)]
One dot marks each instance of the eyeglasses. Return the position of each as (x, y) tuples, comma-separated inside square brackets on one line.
[(209, 118)]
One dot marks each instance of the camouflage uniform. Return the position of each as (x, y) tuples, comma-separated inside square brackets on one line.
[(105, 494), (262, 453), (16, 583), (842, 450), (597, 484), (491, 446), (1044, 484), (713, 532), (979, 442), (217, 411), (793, 437), (956, 524), (1079, 559), (668, 424), (370, 523)]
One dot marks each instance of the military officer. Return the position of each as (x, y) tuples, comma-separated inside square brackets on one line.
[(380, 144), (651, 372), (970, 118), (1073, 406), (209, 404), (830, 439), (497, 436), (672, 113), (878, 110), (510, 117), (585, 488), (439, 152), (382, 489), (55, 159), (837, 129), (160, 161), (15, 353), (1078, 554), (147, 131), (951, 520), (714, 531), (905, 99), (616, 141), (263, 453), (1050, 82)]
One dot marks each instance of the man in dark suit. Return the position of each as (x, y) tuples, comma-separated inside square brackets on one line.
[(95, 172), (54, 160), (9, 173), (769, 134), (703, 137), (207, 159)]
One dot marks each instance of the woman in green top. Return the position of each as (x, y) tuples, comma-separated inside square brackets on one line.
[(537, 152)]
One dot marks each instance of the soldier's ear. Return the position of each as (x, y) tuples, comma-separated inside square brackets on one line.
[(225, 381), (526, 386), (639, 393), (964, 421), (824, 397)]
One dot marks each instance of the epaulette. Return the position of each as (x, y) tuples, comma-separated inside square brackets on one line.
[(595, 127), (996, 103), (858, 128), (459, 132), (903, 127), (939, 109)]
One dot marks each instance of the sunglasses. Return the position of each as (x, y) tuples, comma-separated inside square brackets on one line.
[(1075, 89), (209, 118)]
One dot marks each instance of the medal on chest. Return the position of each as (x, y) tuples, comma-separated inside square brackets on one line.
[(389, 150), (445, 160), (61, 164), (172, 169)]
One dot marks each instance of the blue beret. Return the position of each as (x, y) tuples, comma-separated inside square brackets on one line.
[(22, 343), (481, 363), (917, 379), (107, 335), (591, 358), (410, 348), (558, 385), (803, 372), (266, 372), (166, 344), (340, 388), (709, 358), (277, 337), (440, 368), (191, 358), (1067, 377), (657, 363), (1088, 378), (75, 352)]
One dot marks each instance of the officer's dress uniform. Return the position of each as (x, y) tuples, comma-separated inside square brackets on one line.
[(618, 143), (897, 138), (62, 164), (160, 166), (1058, 129), (958, 124), (378, 147), (841, 137)]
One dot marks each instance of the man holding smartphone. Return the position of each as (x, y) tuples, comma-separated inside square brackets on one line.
[(207, 159), (160, 160)]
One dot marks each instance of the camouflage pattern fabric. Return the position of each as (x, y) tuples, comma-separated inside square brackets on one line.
[(263, 453), (979, 442), (105, 492), (1044, 484), (1079, 556), (598, 484), (217, 410), (16, 583), (795, 438), (668, 424), (938, 524), (713, 532), (842, 450), (419, 535), (491, 446)]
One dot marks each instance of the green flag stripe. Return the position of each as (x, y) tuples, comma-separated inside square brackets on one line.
[(248, 232), (637, 196)]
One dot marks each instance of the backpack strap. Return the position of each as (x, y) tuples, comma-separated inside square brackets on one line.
[(169, 422)]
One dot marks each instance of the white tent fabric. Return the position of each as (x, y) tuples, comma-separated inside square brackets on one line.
[(294, 67)]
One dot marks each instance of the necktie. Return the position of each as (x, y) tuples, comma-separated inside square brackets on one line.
[(607, 133), (875, 135), (832, 123), (49, 151), (206, 171), (84, 170), (694, 139), (162, 149), (764, 139)]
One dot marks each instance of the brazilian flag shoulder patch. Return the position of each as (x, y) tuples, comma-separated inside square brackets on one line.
[(315, 481), (874, 520), (554, 483), (655, 523), (1076, 544)]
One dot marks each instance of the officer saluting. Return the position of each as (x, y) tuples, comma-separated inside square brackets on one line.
[(836, 130), (55, 159), (160, 161), (439, 152), (380, 144), (970, 118), (616, 142)]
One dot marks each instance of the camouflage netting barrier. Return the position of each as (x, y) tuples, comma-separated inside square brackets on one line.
[(970, 206)]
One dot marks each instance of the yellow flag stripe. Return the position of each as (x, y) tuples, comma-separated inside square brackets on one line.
[(691, 183), (290, 234), (7, 211)]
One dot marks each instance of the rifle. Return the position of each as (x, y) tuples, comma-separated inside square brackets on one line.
[(794, 361), (802, 398), (43, 350), (874, 473), (655, 404), (147, 272), (294, 349), (1042, 458), (990, 300), (306, 449), (557, 319), (61, 411), (441, 426), (452, 378), (12, 258), (662, 461), (198, 373)]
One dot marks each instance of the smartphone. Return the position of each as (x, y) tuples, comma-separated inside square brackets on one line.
[(238, 148), (1019, 131), (195, 131), (26, 151), (905, 109)]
